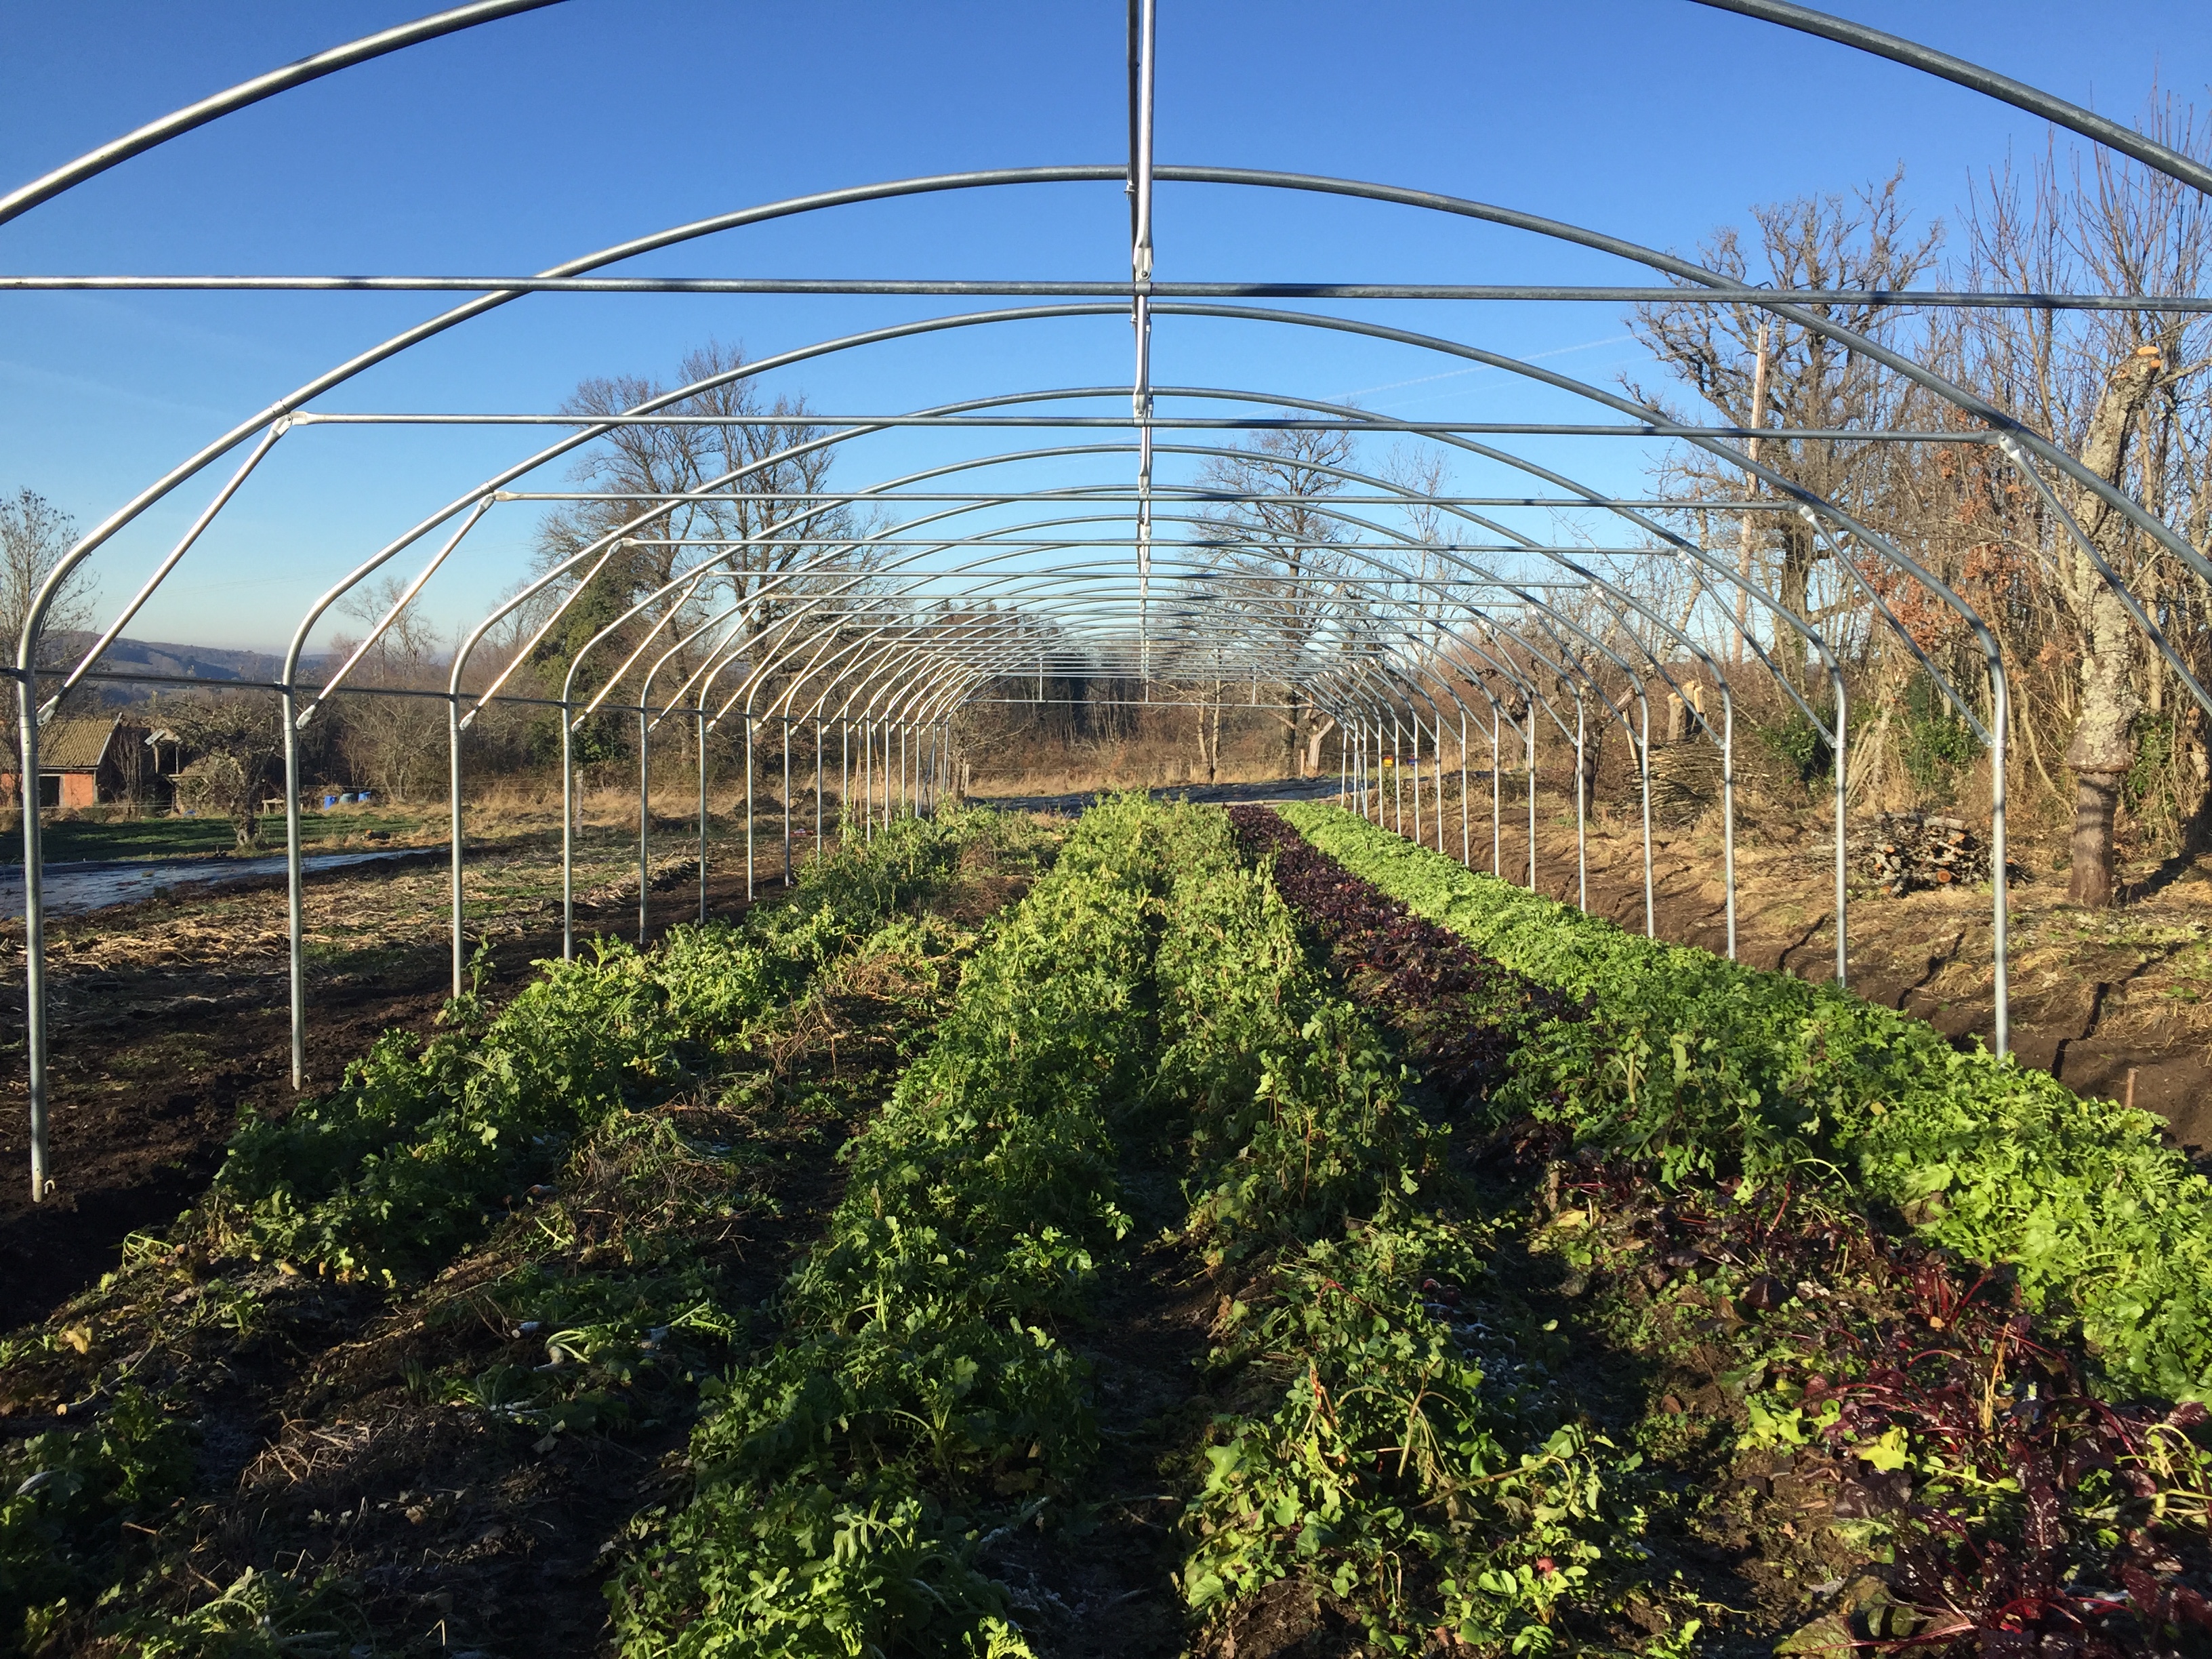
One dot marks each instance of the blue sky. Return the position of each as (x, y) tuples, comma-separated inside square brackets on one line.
[(536, 139)]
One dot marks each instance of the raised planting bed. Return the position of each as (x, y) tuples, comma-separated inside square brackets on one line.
[(1712, 1067), (400, 1378), (1816, 1421)]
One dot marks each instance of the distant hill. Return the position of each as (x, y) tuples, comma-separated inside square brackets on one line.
[(197, 662)]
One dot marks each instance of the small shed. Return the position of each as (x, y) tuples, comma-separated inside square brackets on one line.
[(84, 763)]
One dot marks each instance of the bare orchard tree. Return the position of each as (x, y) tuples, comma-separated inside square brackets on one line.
[(1279, 560), (393, 742), (234, 742), (1757, 371), (2128, 393)]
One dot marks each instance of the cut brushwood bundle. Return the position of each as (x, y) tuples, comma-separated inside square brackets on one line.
[(666, 873), (1685, 782)]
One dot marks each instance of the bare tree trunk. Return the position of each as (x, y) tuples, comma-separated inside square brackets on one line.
[(1314, 739), (2103, 746), (1748, 532), (1796, 594)]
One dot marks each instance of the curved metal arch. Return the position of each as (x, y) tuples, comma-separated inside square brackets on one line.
[(1768, 9)]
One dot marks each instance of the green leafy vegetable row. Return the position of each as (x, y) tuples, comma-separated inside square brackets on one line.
[(850, 1485), (406, 1161), (1399, 1458), (402, 1165), (1701, 1063)]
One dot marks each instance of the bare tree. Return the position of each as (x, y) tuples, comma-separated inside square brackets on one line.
[(743, 553), (236, 742), (393, 741), (1753, 368), (1278, 560), (2126, 392), (34, 534)]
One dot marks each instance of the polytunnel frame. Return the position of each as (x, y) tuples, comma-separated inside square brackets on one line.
[(1448, 592), (1401, 496), (1140, 175)]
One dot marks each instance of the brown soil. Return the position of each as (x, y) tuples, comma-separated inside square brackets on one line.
[(1102, 1587), (168, 1018)]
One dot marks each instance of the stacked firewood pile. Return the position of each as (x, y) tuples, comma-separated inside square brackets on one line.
[(1909, 851)]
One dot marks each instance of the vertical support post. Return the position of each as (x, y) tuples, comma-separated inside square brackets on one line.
[(2000, 914), (568, 831), (1581, 810), (1496, 801), (1532, 793), (1728, 808), (703, 816), (294, 906), (1397, 774), (1417, 780), (35, 919), (844, 778), (786, 800), (817, 786), (1843, 736), (644, 823), (453, 829), (1466, 846), (1643, 774), (748, 807), (1440, 785)]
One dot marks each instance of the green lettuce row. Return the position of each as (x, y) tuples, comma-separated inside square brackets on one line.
[(1390, 1471), (850, 1484), (1716, 1068), (396, 1170)]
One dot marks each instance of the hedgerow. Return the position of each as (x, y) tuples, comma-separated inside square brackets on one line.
[(1709, 1067)]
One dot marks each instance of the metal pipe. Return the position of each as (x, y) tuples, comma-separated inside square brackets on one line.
[(1531, 743), (1466, 847), (568, 836), (1643, 776), (702, 816), (454, 834)]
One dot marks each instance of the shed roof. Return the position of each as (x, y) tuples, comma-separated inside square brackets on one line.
[(77, 745)]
